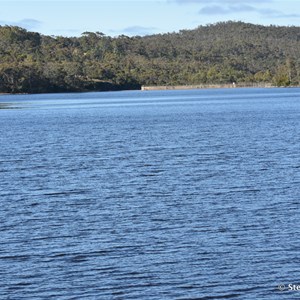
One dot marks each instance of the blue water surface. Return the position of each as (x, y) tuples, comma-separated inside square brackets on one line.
[(189, 194)]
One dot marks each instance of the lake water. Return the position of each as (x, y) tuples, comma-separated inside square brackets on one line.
[(150, 195)]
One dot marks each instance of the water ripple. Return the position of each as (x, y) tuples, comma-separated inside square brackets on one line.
[(135, 200)]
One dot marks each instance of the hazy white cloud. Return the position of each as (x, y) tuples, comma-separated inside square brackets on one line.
[(273, 13), (67, 32), (221, 10), (29, 24), (241, 8), (138, 30), (237, 2)]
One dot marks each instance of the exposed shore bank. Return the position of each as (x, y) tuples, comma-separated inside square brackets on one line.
[(206, 86), (170, 87)]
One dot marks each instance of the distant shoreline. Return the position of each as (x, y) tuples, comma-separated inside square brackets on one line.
[(206, 86), (173, 87)]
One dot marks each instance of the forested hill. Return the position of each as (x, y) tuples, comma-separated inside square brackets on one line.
[(219, 53)]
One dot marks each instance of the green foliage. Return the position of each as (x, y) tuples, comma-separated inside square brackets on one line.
[(281, 77), (224, 52)]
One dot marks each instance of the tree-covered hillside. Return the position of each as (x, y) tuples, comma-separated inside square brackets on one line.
[(219, 53)]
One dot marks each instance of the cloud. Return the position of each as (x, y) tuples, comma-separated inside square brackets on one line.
[(138, 30), (67, 32), (244, 8), (28, 24), (272, 13), (235, 2), (221, 10), (227, 7)]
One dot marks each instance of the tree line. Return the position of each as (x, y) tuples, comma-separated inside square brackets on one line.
[(219, 53)]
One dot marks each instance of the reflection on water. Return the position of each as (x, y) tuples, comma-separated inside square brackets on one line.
[(9, 105), (5, 106)]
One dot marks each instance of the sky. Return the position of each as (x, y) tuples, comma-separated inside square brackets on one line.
[(141, 17)]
